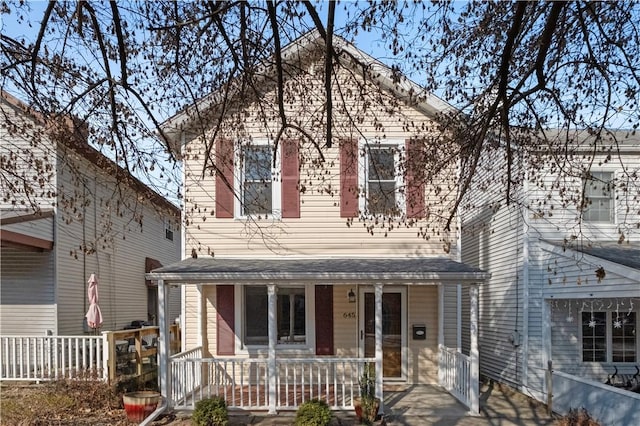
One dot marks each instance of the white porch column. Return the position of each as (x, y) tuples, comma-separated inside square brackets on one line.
[(273, 337), (440, 333), (164, 337), (474, 385), (378, 322)]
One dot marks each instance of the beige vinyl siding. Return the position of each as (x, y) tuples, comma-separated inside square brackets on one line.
[(118, 245), (320, 230), (345, 327), (422, 355), (192, 311), (27, 293)]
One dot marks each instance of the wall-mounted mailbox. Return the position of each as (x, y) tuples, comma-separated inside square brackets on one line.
[(419, 332)]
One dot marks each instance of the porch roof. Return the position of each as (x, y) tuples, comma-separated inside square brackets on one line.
[(415, 270)]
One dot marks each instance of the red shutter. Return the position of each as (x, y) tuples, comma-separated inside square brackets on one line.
[(415, 179), (225, 320), (324, 320), (290, 195), (348, 178), (224, 164)]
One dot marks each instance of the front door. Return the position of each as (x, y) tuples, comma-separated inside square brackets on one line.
[(393, 330)]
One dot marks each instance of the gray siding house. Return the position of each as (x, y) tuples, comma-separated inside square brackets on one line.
[(53, 239), (565, 280)]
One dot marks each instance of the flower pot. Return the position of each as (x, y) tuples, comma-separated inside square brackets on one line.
[(363, 413), (139, 405)]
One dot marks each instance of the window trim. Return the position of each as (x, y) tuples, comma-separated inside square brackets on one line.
[(276, 186), (363, 173), (168, 229), (308, 347), (608, 338), (614, 216)]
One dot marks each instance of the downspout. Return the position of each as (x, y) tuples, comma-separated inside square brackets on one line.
[(525, 288)]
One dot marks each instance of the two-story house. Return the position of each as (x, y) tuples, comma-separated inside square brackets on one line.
[(312, 258), (564, 292), (68, 212)]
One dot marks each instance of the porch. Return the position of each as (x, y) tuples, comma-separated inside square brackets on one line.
[(271, 334)]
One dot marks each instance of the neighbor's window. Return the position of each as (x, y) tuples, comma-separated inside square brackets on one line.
[(290, 316), (381, 192), (623, 337), (257, 180), (609, 337), (594, 336), (168, 229), (599, 198)]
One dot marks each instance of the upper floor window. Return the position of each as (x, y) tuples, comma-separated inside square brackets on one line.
[(382, 181), (609, 337), (259, 194), (168, 229), (599, 199)]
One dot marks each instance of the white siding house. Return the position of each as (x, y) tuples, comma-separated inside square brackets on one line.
[(562, 290), (86, 216)]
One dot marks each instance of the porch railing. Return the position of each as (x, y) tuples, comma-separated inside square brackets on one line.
[(45, 358), (455, 374), (333, 380), (244, 382)]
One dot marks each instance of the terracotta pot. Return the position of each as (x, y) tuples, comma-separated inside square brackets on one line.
[(139, 405)]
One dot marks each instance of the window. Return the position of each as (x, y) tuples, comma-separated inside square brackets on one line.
[(623, 340), (381, 195), (168, 229), (594, 336), (290, 316), (609, 337), (257, 186), (598, 194)]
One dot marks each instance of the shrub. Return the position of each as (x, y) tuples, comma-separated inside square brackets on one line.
[(210, 412), (577, 417), (313, 413)]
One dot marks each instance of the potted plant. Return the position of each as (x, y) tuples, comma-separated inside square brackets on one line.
[(367, 405)]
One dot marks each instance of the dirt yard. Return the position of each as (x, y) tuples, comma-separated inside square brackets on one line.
[(80, 403)]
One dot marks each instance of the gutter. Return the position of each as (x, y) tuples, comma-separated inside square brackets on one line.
[(163, 406)]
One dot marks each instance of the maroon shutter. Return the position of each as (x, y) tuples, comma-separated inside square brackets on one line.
[(224, 164), (225, 320), (290, 195), (348, 178), (324, 320), (415, 179)]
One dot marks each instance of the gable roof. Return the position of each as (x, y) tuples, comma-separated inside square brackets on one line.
[(299, 50), (71, 134)]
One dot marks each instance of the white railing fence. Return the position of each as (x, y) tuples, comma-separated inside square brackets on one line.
[(244, 382), (46, 358), (185, 375), (455, 373), (333, 380)]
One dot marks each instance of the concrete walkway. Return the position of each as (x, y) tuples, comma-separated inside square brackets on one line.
[(428, 405)]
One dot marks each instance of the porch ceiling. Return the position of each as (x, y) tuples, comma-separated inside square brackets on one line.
[(328, 270)]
